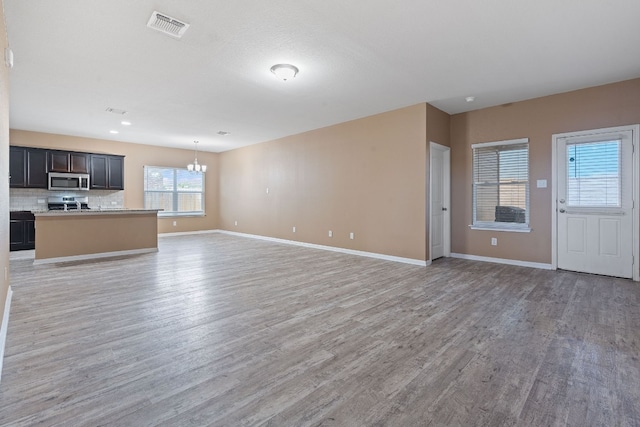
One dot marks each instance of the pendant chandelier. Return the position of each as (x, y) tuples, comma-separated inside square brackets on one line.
[(195, 166)]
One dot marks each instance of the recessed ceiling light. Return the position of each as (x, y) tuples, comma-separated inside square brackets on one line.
[(113, 131), (125, 123), (284, 71), (223, 133), (470, 98)]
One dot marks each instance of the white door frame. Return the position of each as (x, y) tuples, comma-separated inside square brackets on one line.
[(635, 129), (446, 181)]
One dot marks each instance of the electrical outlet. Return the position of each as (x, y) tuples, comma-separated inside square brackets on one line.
[(294, 229), (330, 233), (175, 223), (267, 190), (351, 235), (494, 241)]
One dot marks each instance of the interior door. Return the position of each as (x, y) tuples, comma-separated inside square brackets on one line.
[(595, 203), (439, 198)]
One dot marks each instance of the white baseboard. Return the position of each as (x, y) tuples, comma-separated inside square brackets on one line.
[(330, 248), (5, 326), (184, 233), (94, 256), (504, 261)]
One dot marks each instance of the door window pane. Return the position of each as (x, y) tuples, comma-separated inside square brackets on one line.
[(593, 174)]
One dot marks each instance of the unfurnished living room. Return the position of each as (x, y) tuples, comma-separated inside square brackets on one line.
[(328, 213)]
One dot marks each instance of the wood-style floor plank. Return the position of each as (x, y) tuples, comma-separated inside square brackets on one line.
[(227, 331)]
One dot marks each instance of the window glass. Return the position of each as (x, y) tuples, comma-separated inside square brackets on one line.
[(176, 191)]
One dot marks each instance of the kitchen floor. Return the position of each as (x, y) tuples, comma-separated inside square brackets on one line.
[(227, 331)]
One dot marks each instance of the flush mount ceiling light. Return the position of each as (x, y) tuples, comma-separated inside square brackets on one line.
[(470, 98), (195, 166), (284, 71)]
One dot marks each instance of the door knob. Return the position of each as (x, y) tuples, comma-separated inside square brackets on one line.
[(561, 200), (444, 209), (562, 211)]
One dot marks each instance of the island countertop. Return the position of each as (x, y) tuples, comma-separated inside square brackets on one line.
[(87, 212)]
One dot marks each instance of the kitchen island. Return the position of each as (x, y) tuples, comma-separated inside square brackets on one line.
[(63, 236)]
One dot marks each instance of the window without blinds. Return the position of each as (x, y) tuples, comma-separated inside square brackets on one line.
[(593, 174), (501, 184)]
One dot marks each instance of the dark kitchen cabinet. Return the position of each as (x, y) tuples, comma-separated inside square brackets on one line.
[(17, 167), (27, 167), (22, 231), (107, 172), (66, 161)]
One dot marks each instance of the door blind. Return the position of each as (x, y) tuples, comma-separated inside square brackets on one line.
[(593, 174)]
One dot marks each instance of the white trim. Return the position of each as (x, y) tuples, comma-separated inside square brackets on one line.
[(497, 143), (184, 233), (331, 248), (94, 256), (498, 228), (516, 262), (446, 172), (590, 135), (5, 327)]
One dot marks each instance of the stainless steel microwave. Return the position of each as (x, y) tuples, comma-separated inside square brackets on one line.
[(68, 181)]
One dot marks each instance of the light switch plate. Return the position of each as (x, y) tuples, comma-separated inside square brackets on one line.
[(542, 183)]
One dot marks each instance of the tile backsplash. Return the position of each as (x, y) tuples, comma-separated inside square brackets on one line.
[(26, 199)]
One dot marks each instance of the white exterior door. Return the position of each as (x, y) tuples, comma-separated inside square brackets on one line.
[(594, 202), (439, 197)]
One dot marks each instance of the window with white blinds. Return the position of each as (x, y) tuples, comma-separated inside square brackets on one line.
[(593, 174), (501, 185)]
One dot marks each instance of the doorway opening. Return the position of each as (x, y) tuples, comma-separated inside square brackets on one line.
[(439, 201)]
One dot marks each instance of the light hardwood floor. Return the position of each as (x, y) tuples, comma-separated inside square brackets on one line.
[(228, 331)]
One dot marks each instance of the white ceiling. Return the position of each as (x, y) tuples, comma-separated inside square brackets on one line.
[(76, 58)]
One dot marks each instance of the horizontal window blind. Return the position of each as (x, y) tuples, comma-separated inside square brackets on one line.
[(501, 184), (593, 174)]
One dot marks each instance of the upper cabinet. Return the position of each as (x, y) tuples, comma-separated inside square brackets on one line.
[(17, 166), (27, 167), (107, 172), (65, 161)]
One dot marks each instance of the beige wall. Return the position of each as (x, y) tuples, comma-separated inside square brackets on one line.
[(136, 157), (365, 176), (4, 167), (537, 119), (438, 131)]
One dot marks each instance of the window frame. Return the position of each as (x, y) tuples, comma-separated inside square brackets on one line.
[(175, 192), (500, 226)]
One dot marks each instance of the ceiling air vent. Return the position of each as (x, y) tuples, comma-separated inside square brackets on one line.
[(167, 25)]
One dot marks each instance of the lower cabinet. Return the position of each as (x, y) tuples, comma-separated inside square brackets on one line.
[(22, 231)]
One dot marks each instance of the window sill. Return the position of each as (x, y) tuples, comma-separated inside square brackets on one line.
[(501, 228)]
